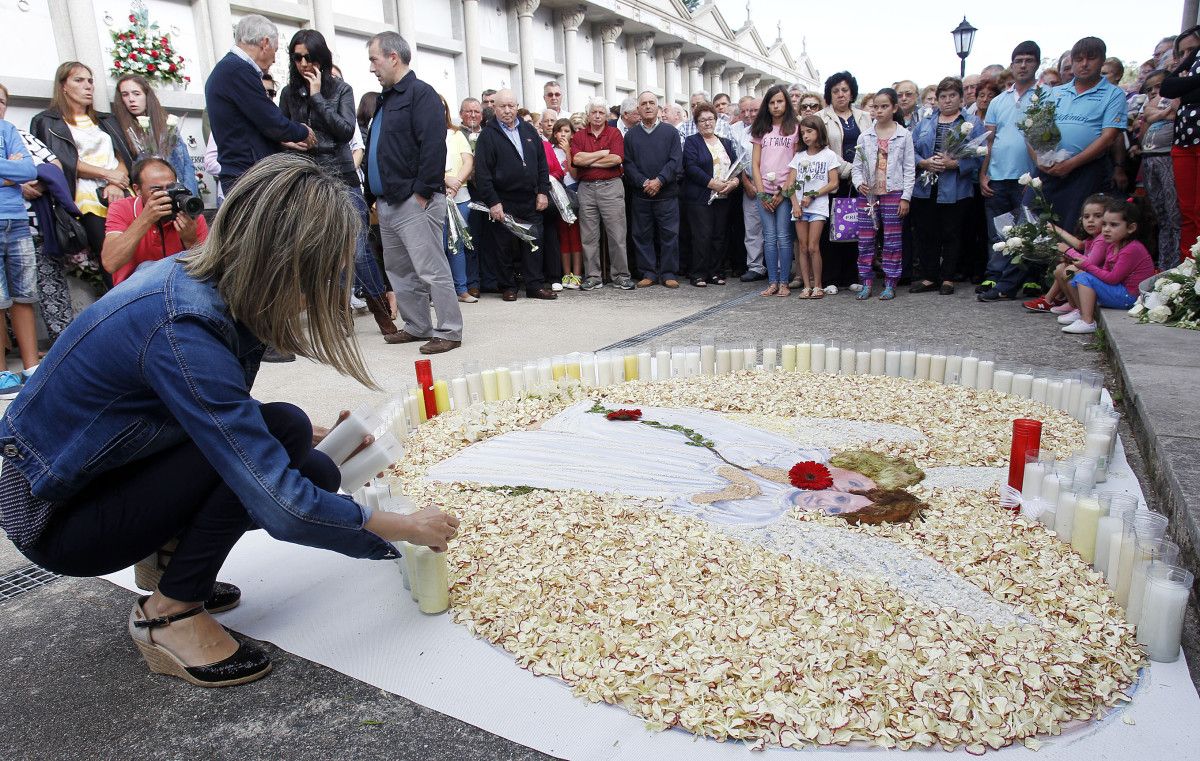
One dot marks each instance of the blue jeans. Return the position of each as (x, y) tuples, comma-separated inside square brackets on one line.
[(366, 272), (1006, 198), (18, 275), (457, 259), (777, 230)]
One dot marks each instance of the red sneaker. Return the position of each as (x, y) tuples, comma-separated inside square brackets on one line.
[(1038, 305)]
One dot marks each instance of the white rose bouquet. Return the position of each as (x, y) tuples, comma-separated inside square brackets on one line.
[(157, 140), (1174, 299), (959, 145), (1030, 239), (1041, 131)]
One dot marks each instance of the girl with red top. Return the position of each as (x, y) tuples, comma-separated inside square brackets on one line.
[(1110, 274)]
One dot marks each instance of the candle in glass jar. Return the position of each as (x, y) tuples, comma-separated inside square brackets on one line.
[(817, 357), (1022, 385), (644, 365), (516, 383), (922, 371), (1087, 522), (723, 362), (1039, 389), (558, 369), (708, 358), (504, 388), (1002, 381), (1064, 520), (631, 367), (1031, 483), (891, 363), (833, 359), (908, 364), (1105, 529), (749, 357), (1164, 605), (458, 390), (804, 358), (491, 391), (530, 373), (848, 361), (616, 364), (878, 360), (587, 369), (679, 361), (1071, 391), (1051, 486), (969, 374), (1054, 393), (603, 371), (737, 359), (692, 363), (937, 368), (545, 371), (662, 361), (475, 386), (953, 369), (441, 395), (769, 358), (862, 362), (986, 372), (789, 358)]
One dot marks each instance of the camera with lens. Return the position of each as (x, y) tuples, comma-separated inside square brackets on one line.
[(183, 201)]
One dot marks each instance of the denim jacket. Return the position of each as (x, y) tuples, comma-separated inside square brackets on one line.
[(154, 363), (901, 168), (954, 184)]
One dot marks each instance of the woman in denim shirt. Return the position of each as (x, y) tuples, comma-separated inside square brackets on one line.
[(944, 191), (138, 435)]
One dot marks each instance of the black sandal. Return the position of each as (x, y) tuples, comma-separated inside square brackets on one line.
[(249, 663)]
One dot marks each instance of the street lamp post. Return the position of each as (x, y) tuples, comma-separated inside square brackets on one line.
[(964, 38)]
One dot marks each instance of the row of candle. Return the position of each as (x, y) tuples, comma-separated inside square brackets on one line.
[(425, 573)]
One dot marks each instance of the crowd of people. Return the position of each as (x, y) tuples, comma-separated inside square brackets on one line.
[(838, 189)]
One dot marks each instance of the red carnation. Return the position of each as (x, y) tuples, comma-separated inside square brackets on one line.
[(172, 68), (154, 54), (132, 57), (810, 475), (624, 415), (132, 18), (164, 40), (141, 50), (150, 67), (187, 79)]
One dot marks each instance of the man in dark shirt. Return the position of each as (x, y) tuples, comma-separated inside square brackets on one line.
[(598, 152), (653, 164), (405, 166), (511, 179)]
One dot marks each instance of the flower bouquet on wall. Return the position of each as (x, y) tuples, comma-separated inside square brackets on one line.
[(1029, 239), (143, 49), (1041, 131), (959, 145), (1174, 298)]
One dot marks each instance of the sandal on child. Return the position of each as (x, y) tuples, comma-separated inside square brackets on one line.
[(249, 663), (806, 293), (887, 294), (864, 293), (818, 293), (771, 290), (784, 291)]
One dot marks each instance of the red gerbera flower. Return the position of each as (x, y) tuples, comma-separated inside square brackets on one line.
[(624, 415), (810, 475)]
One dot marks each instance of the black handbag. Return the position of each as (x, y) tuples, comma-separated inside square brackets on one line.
[(69, 232)]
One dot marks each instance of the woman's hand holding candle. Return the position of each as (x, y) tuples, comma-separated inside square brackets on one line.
[(429, 527), (320, 432)]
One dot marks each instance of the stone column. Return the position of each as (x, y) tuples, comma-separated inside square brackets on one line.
[(644, 45), (86, 39), (749, 84), (733, 77), (406, 23), (670, 54), (763, 85), (609, 32), (471, 48), (571, 18), (695, 78), (322, 21), (220, 25), (527, 92), (712, 77)]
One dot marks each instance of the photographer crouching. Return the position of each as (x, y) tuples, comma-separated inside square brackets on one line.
[(160, 220)]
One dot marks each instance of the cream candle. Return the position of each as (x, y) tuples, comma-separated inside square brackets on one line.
[(530, 374), (1064, 520), (937, 368), (908, 364), (804, 358), (410, 565), (1002, 381), (679, 361), (1145, 553), (441, 395), (604, 376), (1164, 605), (788, 358), (645, 363), (891, 363), (750, 357), (1087, 522), (922, 369), (1038, 390), (1054, 393), (491, 390), (558, 368), (1022, 385), (1112, 570), (969, 374), (849, 360), (986, 374), (503, 383), (1139, 528), (708, 358), (723, 361), (769, 358), (693, 363), (662, 364), (737, 358), (1105, 527), (878, 360), (833, 359), (587, 369), (460, 394), (616, 364), (953, 369), (817, 356), (433, 580), (516, 384), (862, 362), (545, 371), (631, 367)]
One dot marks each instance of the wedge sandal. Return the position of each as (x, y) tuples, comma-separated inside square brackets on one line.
[(249, 663)]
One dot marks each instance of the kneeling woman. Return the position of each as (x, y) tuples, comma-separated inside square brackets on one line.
[(138, 431)]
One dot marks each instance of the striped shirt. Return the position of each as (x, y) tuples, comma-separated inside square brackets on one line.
[(41, 154)]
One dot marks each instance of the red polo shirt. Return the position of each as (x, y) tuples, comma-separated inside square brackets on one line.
[(152, 245), (584, 141)]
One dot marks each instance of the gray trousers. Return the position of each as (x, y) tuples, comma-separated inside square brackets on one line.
[(417, 267), (754, 239), (602, 202)]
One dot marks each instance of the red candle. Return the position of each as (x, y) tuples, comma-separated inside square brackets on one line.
[(425, 381), (1027, 437)]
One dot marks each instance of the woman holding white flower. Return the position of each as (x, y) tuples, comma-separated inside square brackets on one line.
[(775, 134), (151, 131), (942, 199)]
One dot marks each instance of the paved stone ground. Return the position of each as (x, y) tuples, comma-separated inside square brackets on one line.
[(76, 688)]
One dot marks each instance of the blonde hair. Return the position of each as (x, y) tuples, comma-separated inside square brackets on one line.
[(280, 249)]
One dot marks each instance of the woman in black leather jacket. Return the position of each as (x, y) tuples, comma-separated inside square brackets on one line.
[(314, 96)]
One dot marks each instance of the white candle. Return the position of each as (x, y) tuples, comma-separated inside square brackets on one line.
[(1088, 396), (1104, 534), (662, 360), (817, 357), (1039, 390), (616, 365), (878, 361), (516, 382), (1087, 522), (1163, 608), (922, 372), (1054, 394), (953, 369), (769, 358), (1097, 443), (491, 389), (804, 358), (1064, 520), (1031, 483), (736, 360), (1112, 570), (692, 364), (891, 365), (603, 371), (833, 359), (708, 355), (475, 387), (970, 372), (679, 362), (937, 368), (722, 361), (1048, 517), (545, 371), (1002, 381), (530, 372), (986, 369), (789, 358), (908, 364), (460, 394), (1022, 385), (749, 358), (504, 382), (1071, 391), (862, 362), (644, 365), (848, 361), (587, 370), (1137, 587), (1050, 488)]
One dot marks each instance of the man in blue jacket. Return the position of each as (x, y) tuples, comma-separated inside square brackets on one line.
[(246, 124), (653, 166), (405, 176)]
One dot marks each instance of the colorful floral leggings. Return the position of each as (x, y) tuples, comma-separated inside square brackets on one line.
[(887, 207)]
